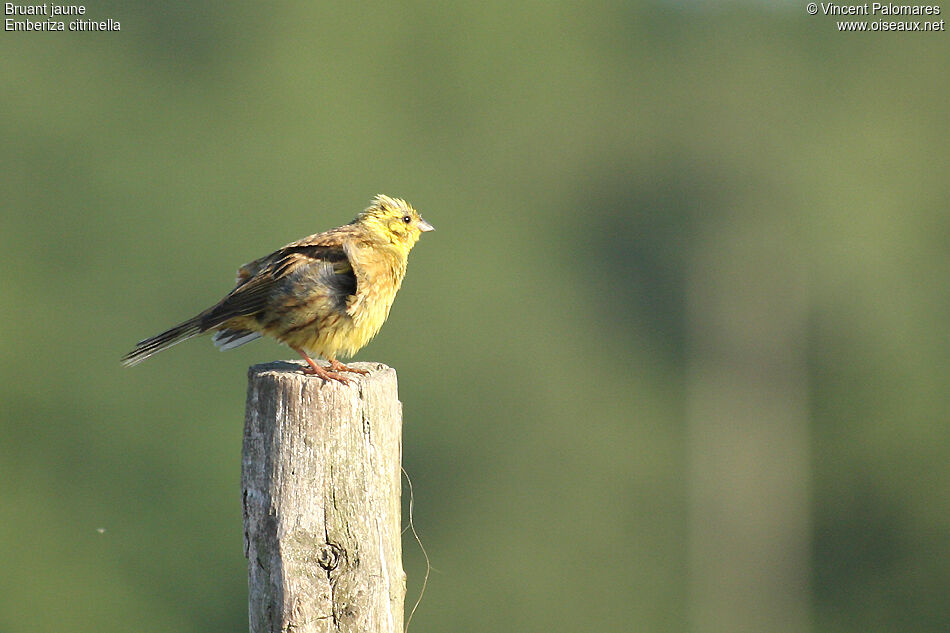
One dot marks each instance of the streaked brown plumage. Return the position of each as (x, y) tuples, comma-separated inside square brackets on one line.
[(327, 294)]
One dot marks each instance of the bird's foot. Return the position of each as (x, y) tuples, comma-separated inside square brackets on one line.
[(316, 370), (337, 366)]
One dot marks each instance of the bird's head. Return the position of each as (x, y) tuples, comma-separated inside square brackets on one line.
[(395, 221)]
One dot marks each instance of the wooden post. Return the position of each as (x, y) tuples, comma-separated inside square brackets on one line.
[(321, 481)]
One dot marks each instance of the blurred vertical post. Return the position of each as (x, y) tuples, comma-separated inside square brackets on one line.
[(321, 481), (748, 431)]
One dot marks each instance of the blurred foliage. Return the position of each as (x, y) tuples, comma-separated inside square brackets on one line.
[(571, 155)]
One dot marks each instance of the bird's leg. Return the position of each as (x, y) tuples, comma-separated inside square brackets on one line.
[(336, 365), (317, 370)]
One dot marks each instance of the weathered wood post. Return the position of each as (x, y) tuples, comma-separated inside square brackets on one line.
[(321, 481)]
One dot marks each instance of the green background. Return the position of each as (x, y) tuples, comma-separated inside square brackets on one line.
[(589, 168)]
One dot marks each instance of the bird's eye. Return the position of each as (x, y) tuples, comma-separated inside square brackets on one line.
[(406, 219)]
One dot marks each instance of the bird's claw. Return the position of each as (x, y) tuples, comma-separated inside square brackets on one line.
[(337, 366), (324, 374), (313, 369)]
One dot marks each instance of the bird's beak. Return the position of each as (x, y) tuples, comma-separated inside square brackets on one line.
[(425, 226)]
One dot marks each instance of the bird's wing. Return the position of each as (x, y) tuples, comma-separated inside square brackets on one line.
[(349, 239), (257, 280)]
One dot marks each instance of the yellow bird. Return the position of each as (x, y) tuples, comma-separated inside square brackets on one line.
[(327, 294)]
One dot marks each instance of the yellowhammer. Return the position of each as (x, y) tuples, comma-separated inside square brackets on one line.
[(326, 294)]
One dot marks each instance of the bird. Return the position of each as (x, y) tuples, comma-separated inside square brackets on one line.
[(327, 294)]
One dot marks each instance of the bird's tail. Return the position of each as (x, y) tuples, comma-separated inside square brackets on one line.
[(151, 346)]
